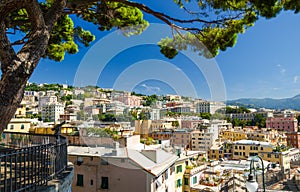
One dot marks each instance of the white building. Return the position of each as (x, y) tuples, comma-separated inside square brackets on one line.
[(154, 114), (52, 111), (209, 106), (47, 99), (202, 140)]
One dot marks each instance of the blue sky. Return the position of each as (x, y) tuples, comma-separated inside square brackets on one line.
[(265, 62)]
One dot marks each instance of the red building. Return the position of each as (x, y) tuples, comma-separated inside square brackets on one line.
[(288, 124), (293, 139)]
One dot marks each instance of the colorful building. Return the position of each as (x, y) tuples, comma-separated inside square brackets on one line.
[(283, 123), (293, 139), (122, 169)]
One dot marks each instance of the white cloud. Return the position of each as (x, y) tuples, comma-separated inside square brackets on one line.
[(281, 69), (296, 78), (150, 88)]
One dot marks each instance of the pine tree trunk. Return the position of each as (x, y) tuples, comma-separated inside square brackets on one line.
[(11, 94)]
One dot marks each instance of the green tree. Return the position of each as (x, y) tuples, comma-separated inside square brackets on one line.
[(259, 120), (229, 110), (45, 30), (150, 100), (205, 115), (175, 124), (106, 117)]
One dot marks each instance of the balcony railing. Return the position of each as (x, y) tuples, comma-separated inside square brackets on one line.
[(29, 161)]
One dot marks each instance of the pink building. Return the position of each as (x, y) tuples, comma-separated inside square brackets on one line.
[(128, 99), (122, 169), (288, 124), (181, 138), (191, 124)]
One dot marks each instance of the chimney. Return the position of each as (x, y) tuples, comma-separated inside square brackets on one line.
[(114, 152), (150, 154)]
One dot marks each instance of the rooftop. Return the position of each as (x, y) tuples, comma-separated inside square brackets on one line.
[(252, 142)]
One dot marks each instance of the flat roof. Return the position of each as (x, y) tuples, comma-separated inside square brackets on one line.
[(252, 142)]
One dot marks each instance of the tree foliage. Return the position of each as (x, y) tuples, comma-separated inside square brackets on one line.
[(259, 120), (229, 110), (149, 100), (205, 115)]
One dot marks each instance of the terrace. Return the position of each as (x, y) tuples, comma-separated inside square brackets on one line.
[(30, 162)]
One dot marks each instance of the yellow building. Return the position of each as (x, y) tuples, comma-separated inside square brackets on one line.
[(187, 169), (268, 135), (161, 125), (220, 151), (142, 127), (180, 167), (244, 149), (21, 111), (233, 135), (65, 130), (19, 125), (264, 135), (256, 136)]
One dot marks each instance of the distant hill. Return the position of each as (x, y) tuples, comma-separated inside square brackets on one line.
[(286, 103)]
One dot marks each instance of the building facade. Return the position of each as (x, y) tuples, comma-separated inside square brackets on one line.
[(209, 106), (293, 139), (52, 111), (288, 124)]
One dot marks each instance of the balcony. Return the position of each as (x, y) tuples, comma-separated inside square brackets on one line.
[(30, 162), (194, 170)]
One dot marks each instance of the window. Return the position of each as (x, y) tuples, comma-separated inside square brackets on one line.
[(79, 180), (178, 183), (22, 126), (92, 182), (104, 182), (103, 162), (186, 181), (269, 155), (179, 169), (167, 174), (195, 180), (172, 169), (11, 126)]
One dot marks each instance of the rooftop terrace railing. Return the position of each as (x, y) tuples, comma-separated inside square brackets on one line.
[(29, 161)]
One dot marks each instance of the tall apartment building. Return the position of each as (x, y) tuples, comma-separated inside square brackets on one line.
[(209, 106), (283, 123), (44, 100), (52, 111), (128, 99), (201, 140), (181, 138), (293, 139)]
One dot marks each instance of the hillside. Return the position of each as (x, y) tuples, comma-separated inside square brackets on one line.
[(286, 103)]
